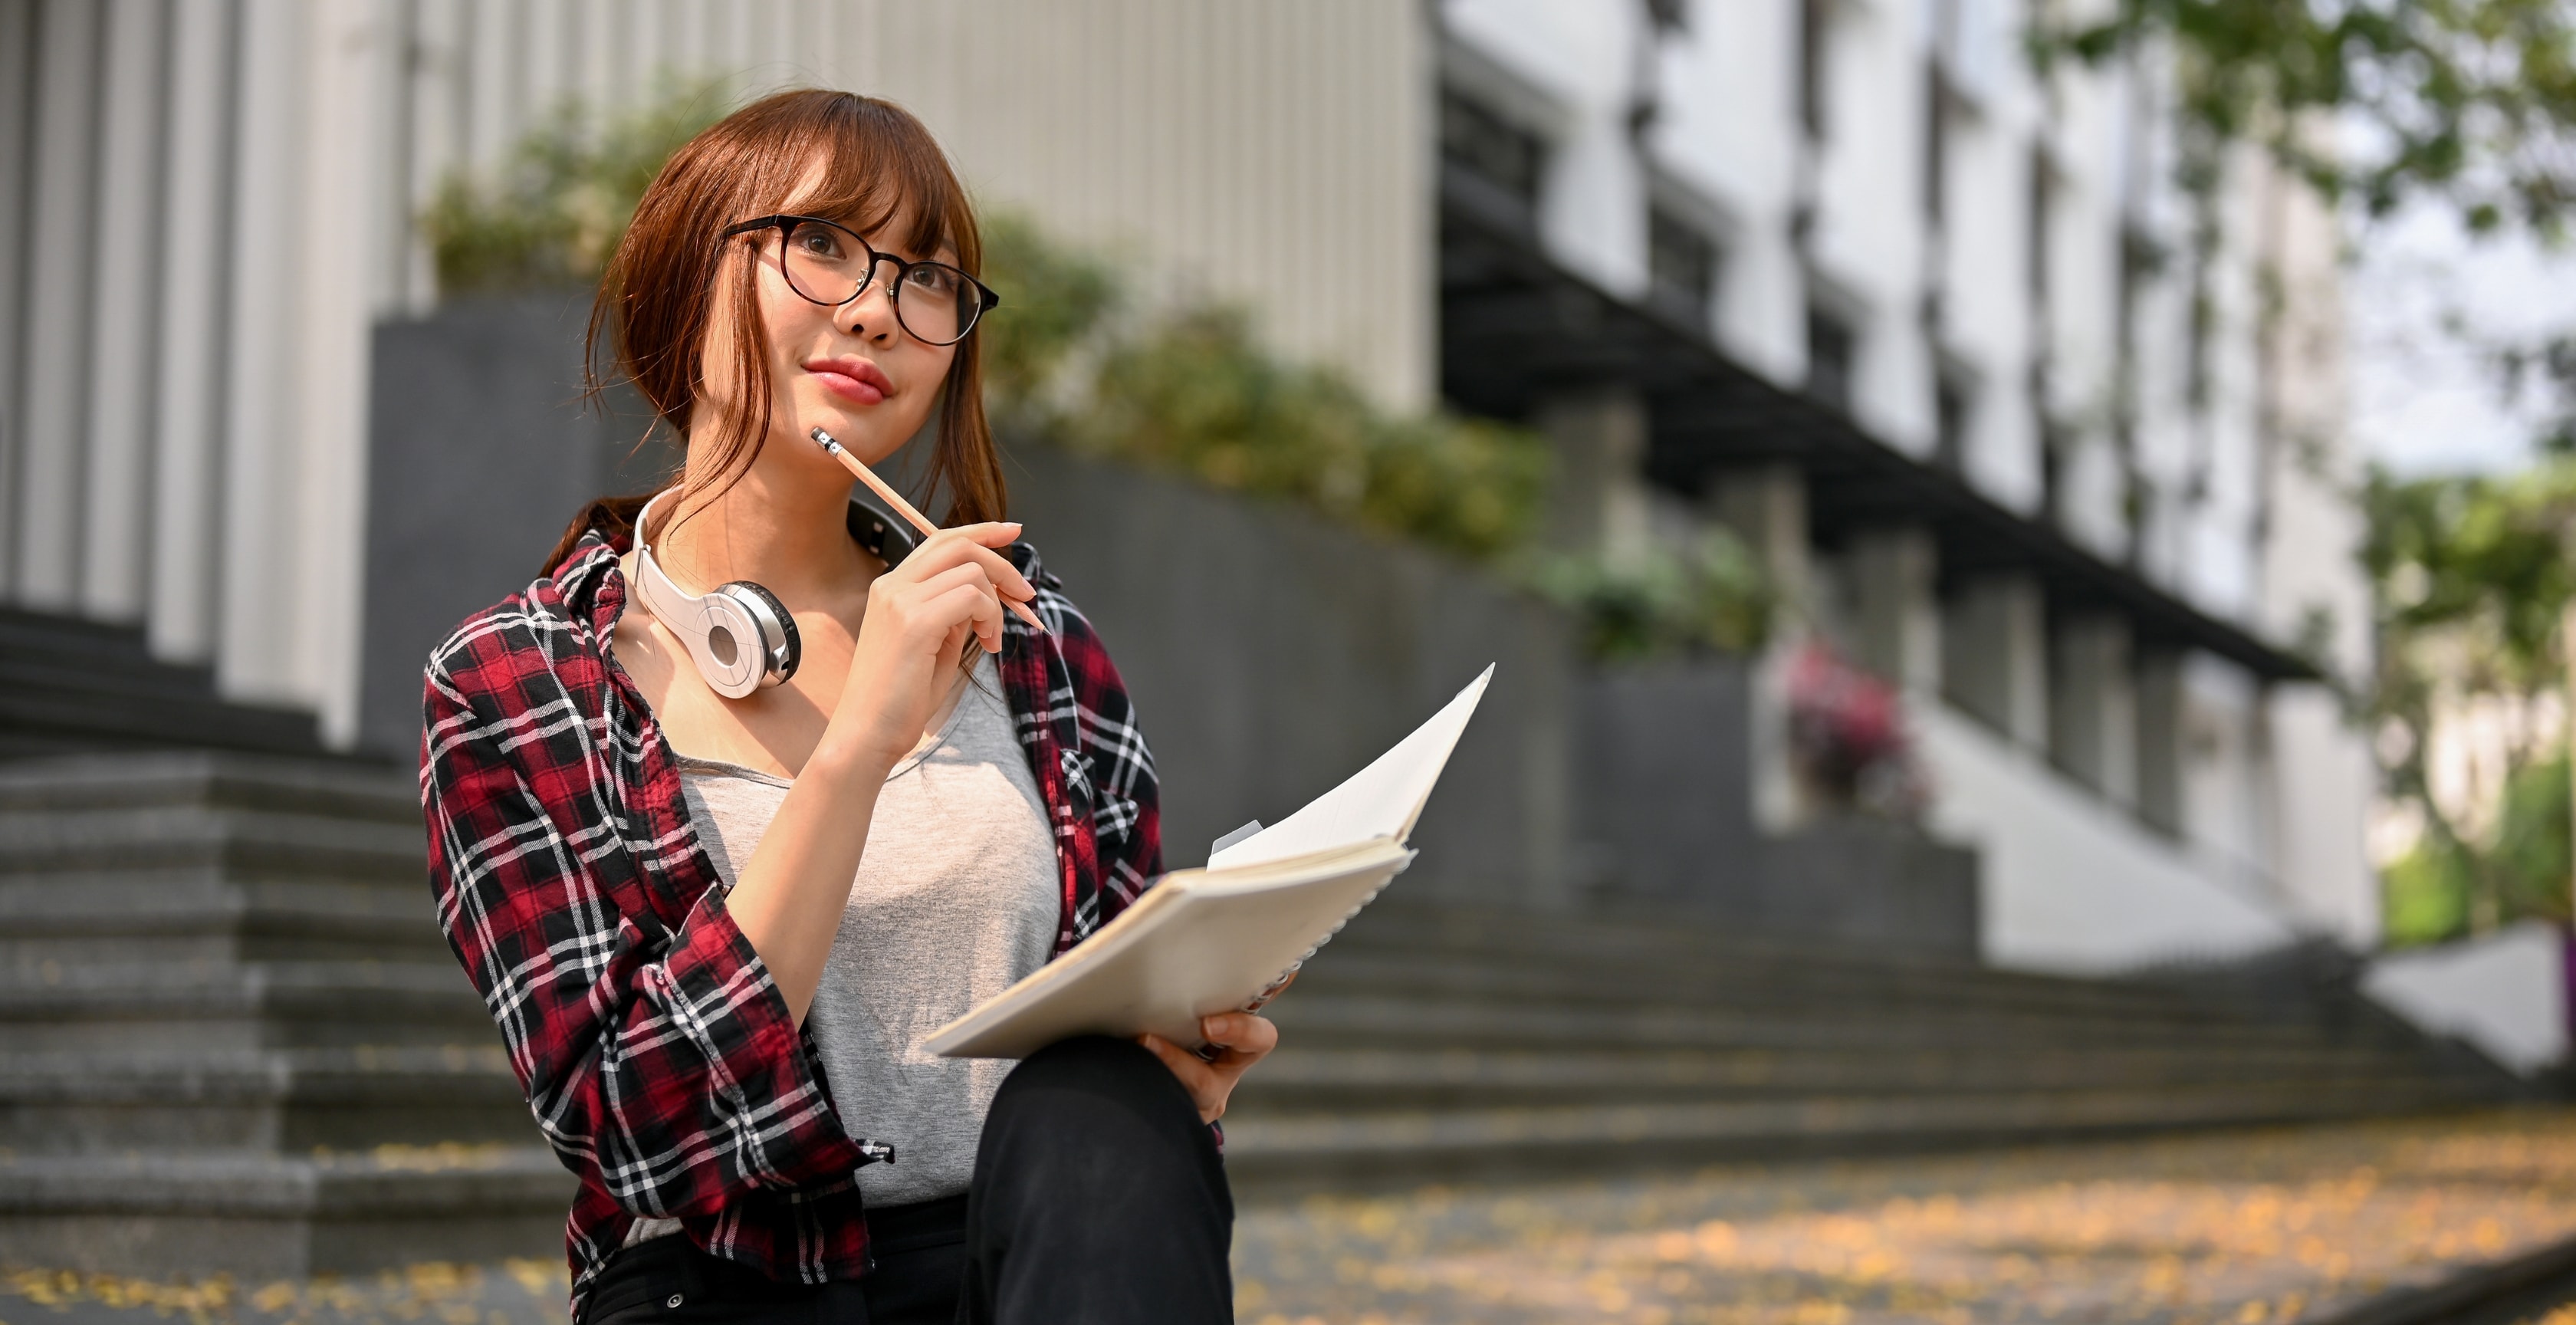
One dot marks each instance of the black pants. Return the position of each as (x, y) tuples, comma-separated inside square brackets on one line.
[(1098, 1199)]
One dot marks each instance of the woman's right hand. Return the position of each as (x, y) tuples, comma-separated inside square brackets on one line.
[(919, 615)]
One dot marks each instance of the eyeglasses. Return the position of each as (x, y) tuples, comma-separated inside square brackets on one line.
[(830, 265)]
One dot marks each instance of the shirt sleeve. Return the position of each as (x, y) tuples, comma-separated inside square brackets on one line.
[(661, 1063), (1127, 817)]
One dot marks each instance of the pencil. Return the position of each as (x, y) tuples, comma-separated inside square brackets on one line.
[(905, 509)]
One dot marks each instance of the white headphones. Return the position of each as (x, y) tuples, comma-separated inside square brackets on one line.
[(740, 635)]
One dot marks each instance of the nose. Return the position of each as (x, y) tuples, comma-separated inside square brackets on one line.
[(870, 315)]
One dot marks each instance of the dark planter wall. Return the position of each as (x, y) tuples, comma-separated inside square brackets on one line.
[(479, 452)]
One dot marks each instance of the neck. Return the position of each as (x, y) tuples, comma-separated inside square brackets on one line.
[(783, 531)]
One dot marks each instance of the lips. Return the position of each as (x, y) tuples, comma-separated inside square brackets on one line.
[(852, 378)]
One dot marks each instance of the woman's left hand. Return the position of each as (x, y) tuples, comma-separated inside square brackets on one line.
[(1241, 1039)]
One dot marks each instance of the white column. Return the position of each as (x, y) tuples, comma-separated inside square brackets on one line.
[(52, 394), (256, 617), (124, 382), (17, 81), (350, 232), (197, 236)]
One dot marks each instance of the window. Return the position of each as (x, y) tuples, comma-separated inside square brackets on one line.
[(1681, 264), (1490, 148), (1829, 359), (2052, 472), (1815, 29), (2042, 218), (1950, 406)]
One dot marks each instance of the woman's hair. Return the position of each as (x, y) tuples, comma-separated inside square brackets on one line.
[(658, 296)]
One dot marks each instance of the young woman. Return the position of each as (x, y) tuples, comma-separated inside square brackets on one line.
[(714, 930)]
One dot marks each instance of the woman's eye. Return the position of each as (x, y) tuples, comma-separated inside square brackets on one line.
[(820, 244), (933, 280)]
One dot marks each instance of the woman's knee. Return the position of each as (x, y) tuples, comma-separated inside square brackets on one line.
[(1101, 1068), (1093, 1092)]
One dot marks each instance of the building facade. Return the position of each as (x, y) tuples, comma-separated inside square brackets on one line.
[(1939, 338)]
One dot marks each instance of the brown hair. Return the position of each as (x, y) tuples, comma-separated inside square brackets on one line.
[(658, 294)]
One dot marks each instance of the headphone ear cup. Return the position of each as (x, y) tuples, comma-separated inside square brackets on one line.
[(781, 648)]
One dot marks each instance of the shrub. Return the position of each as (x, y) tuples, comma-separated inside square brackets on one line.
[(552, 214)]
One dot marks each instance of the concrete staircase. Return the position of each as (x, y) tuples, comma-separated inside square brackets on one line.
[(231, 1036), (68, 685), (1442, 1044)]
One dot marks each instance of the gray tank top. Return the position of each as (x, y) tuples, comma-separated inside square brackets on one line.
[(956, 899)]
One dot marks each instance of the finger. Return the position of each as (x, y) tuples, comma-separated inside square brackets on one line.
[(991, 534), (1005, 576), (963, 541), (973, 608), (1241, 1033), (966, 575), (1195, 1076)]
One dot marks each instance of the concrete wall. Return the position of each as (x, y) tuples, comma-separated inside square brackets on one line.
[(1271, 654), (2506, 992), (2072, 883)]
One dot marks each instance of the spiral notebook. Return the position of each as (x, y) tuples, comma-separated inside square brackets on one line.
[(1226, 937)]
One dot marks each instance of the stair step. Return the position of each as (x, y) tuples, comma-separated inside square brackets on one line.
[(268, 1216), (199, 916), (342, 787), (1269, 1156), (1309, 1080), (1432, 982), (1325, 1020), (259, 1006), (67, 684), (277, 1101), (248, 842), (149, 721)]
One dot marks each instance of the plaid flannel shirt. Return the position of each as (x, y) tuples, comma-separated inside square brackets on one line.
[(660, 1060)]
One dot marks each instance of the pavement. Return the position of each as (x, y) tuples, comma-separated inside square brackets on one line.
[(2314, 1224)]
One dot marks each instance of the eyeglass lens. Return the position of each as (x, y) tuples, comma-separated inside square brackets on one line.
[(829, 265)]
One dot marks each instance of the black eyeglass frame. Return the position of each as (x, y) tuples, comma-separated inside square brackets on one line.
[(986, 300)]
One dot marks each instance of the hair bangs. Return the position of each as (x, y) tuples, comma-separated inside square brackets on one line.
[(880, 168)]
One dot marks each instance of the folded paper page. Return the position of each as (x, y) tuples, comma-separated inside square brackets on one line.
[(1381, 800), (1222, 938)]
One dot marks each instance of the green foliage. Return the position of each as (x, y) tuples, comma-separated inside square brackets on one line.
[(2444, 889), (550, 218), (1713, 596), (1054, 301), (2487, 555), (2471, 576), (2468, 101), (1192, 392)]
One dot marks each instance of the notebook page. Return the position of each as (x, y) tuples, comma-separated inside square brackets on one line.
[(1381, 800)]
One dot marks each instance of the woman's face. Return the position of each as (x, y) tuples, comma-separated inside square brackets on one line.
[(850, 369)]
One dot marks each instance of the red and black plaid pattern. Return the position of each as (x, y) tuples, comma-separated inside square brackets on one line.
[(658, 1057)]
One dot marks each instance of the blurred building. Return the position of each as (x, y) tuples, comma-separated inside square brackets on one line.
[(1944, 343)]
